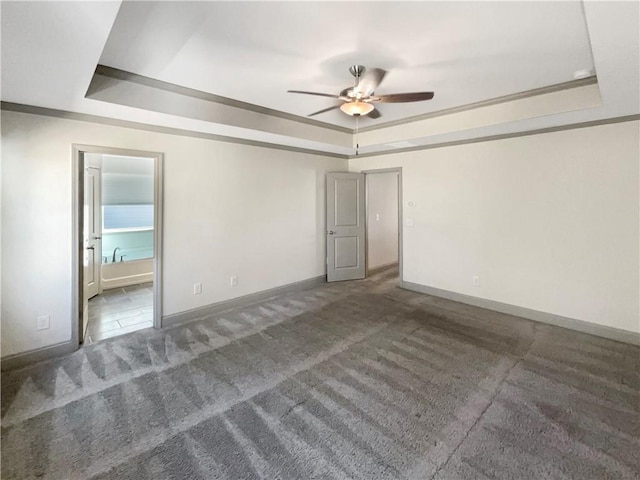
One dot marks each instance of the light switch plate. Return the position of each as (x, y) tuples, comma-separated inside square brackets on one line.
[(42, 322)]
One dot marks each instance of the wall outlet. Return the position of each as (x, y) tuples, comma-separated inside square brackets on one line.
[(42, 322), (234, 281), (197, 288), (476, 281)]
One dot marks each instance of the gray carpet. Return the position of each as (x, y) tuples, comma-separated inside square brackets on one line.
[(357, 380)]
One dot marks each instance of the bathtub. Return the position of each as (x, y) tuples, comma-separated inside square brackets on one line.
[(122, 274), (127, 257)]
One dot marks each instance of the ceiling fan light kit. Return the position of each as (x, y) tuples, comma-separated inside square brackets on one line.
[(356, 108), (358, 100)]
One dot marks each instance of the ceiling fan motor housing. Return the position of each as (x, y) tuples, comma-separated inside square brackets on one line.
[(357, 70)]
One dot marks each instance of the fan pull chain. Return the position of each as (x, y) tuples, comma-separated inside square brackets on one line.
[(357, 140)]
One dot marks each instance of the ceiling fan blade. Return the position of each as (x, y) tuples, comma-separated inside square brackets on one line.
[(323, 110), (314, 93), (375, 113), (404, 97), (370, 81)]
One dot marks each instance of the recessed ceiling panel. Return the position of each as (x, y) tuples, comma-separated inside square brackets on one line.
[(465, 52)]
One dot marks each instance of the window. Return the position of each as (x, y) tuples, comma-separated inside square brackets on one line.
[(127, 217)]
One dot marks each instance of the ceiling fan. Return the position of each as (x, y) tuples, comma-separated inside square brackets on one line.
[(358, 100)]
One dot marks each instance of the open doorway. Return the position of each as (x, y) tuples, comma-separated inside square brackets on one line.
[(383, 222), (118, 220), (364, 231)]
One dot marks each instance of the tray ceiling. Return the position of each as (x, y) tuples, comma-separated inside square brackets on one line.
[(182, 65)]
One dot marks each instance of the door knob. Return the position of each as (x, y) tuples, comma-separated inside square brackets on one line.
[(91, 248), (331, 232), (96, 237)]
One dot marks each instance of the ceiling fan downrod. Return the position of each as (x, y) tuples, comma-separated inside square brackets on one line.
[(357, 71)]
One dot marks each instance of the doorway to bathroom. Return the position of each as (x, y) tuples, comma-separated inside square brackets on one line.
[(119, 242)]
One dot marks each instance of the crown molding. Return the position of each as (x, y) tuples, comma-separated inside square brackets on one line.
[(123, 75), (491, 138), (486, 103), (83, 117)]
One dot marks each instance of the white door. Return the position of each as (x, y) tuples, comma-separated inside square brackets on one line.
[(345, 226), (92, 238)]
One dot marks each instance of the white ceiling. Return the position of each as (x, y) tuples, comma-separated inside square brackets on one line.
[(254, 52), (466, 52)]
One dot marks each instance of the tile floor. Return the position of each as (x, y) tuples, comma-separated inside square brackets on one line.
[(120, 310)]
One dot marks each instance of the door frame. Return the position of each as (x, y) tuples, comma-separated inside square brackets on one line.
[(397, 170), (77, 274)]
